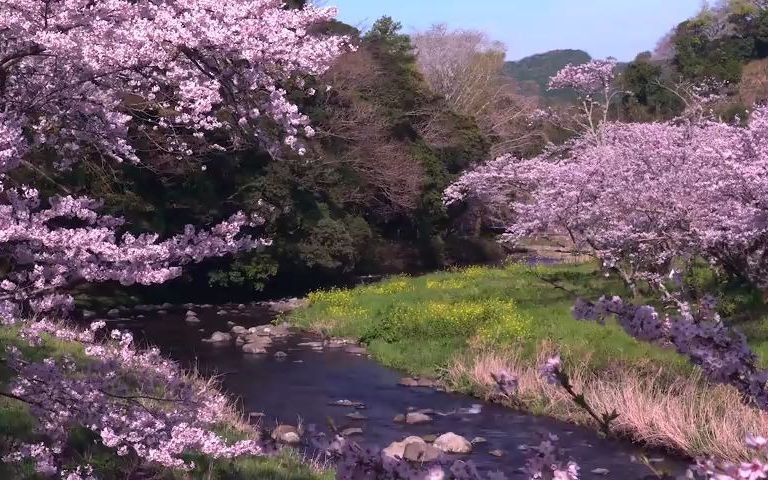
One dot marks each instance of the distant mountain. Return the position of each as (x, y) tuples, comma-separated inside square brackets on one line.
[(533, 73)]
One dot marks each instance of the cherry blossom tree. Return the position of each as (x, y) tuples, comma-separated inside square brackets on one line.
[(82, 80), (594, 83), (646, 197), (124, 81)]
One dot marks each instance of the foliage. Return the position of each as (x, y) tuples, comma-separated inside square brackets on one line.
[(420, 324)]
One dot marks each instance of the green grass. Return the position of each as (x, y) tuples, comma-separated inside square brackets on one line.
[(420, 324)]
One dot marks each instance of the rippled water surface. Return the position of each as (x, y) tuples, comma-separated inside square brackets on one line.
[(301, 386)]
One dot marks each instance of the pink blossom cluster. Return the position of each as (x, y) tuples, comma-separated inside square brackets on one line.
[(754, 470), (78, 72), (51, 255), (587, 78), (641, 195), (137, 402)]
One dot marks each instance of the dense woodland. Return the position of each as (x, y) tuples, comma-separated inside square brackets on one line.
[(390, 138)]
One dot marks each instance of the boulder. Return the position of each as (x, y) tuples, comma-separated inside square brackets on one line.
[(239, 330), (421, 452), (427, 383), (219, 337), (397, 449), (241, 306), (408, 382), (280, 355), (429, 438), (478, 440), (258, 340), (254, 349), (452, 443), (286, 434), (417, 418)]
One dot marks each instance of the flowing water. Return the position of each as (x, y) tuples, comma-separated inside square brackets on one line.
[(302, 386)]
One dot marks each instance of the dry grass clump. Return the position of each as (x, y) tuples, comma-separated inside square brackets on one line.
[(687, 415)]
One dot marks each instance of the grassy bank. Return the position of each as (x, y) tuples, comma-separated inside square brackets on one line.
[(459, 326), (17, 425)]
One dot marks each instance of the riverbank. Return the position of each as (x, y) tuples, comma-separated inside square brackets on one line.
[(460, 326)]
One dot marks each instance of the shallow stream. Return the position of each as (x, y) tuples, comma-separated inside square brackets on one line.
[(301, 386)]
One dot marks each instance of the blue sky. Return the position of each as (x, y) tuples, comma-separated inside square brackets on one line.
[(618, 28)]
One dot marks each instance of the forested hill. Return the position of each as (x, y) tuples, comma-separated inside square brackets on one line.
[(533, 72)]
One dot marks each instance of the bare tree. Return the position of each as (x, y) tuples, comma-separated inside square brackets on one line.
[(467, 68), (363, 144)]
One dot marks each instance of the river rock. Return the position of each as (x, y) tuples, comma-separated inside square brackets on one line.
[(191, 313), (413, 418), (280, 354), (427, 383), (600, 471), (284, 306), (356, 416), (421, 452), (239, 330), (313, 345), (241, 306), (397, 449), (258, 340), (408, 382), (270, 330), (346, 403), (337, 343), (218, 337), (348, 432), (478, 440), (254, 349), (221, 312), (452, 443), (286, 434), (88, 314), (166, 306), (356, 350), (162, 312), (496, 453), (429, 438), (191, 319), (114, 312)]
